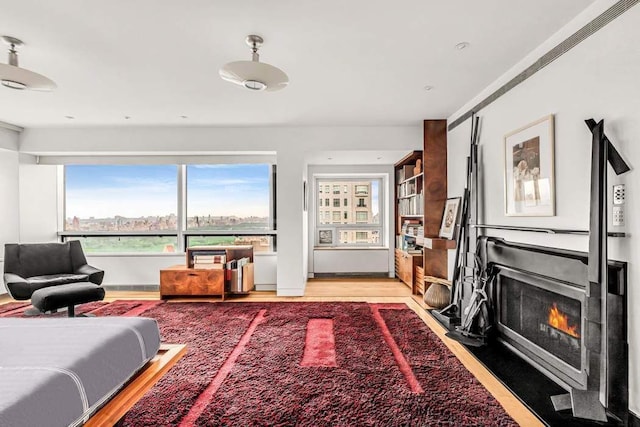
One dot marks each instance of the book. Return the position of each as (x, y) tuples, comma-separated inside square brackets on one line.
[(210, 259), (209, 266)]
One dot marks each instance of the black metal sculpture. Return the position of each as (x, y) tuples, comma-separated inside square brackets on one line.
[(474, 320), (586, 403)]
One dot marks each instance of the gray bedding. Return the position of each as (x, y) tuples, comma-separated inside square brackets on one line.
[(57, 372)]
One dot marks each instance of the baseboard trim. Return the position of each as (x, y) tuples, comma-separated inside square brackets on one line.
[(139, 288), (290, 292), (384, 274)]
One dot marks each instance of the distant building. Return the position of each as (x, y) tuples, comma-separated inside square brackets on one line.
[(347, 202)]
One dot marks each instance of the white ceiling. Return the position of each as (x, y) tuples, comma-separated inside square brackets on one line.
[(354, 62)]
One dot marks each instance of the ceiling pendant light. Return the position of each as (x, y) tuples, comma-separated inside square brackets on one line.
[(254, 75), (14, 77)]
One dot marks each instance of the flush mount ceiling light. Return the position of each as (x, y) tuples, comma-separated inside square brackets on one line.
[(14, 77), (254, 75)]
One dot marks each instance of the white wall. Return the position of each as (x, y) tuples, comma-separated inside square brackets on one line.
[(9, 223), (340, 260), (292, 148), (8, 139), (38, 201), (599, 79), (210, 140), (9, 214), (145, 271)]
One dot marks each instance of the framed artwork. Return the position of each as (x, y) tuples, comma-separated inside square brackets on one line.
[(325, 236), (529, 183), (450, 218)]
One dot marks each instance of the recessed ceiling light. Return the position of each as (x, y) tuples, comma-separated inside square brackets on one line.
[(462, 45), (378, 158), (184, 117), (427, 88), (329, 158), (127, 117), (69, 117)]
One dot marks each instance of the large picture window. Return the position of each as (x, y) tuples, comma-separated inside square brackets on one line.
[(136, 208), (228, 197), (117, 200), (359, 221)]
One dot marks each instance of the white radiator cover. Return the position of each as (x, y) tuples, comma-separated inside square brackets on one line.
[(351, 260)]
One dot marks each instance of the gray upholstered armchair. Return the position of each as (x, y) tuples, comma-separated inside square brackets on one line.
[(32, 266)]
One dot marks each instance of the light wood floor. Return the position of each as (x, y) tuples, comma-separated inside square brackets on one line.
[(374, 291)]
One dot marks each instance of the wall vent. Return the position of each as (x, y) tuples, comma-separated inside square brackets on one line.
[(563, 47)]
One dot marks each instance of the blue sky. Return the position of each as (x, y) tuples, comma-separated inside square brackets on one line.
[(131, 190), (241, 190)]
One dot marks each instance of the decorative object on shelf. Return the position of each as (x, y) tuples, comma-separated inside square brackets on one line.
[(418, 168), (529, 170), (14, 77), (450, 218), (254, 75), (325, 236), (437, 295)]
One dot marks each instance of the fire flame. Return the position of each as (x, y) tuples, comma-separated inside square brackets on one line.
[(560, 321)]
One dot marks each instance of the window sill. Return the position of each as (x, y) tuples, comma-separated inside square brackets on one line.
[(350, 248), (158, 254), (136, 254)]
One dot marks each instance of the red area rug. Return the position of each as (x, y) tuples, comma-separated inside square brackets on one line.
[(246, 366)]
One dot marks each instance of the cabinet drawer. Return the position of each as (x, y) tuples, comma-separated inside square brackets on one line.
[(418, 280), (405, 268), (191, 282)]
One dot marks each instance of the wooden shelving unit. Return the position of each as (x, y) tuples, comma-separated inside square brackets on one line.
[(428, 187), (409, 208), (437, 243)]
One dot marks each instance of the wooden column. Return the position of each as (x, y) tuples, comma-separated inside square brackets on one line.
[(435, 193)]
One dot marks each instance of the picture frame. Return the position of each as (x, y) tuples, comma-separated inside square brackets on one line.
[(529, 175), (325, 236), (450, 218)]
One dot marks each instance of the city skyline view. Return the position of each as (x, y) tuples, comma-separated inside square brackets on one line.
[(137, 197)]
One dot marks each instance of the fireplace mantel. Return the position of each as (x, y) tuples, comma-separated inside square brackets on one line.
[(567, 271)]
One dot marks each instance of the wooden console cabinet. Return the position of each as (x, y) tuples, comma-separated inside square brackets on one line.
[(179, 280), (406, 264), (184, 280)]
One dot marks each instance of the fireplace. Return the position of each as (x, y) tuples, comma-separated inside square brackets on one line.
[(542, 319), (546, 313)]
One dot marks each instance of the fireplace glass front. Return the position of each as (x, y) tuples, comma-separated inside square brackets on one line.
[(547, 319)]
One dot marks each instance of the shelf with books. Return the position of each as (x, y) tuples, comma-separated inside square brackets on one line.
[(420, 196), (409, 209), (412, 178)]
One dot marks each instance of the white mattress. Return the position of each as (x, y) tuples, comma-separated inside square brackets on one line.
[(57, 372)]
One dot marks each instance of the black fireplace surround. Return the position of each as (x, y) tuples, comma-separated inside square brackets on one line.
[(539, 299)]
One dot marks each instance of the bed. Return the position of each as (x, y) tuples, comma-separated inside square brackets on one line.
[(60, 372)]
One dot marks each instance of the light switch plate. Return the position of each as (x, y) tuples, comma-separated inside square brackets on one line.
[(618, 216), (619, 194)]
